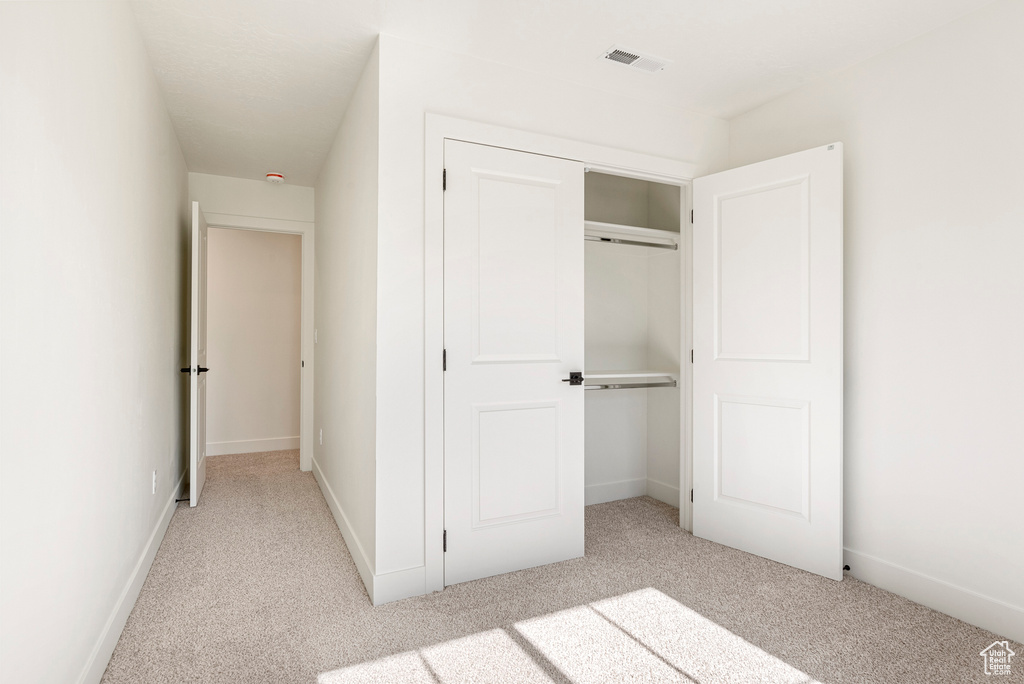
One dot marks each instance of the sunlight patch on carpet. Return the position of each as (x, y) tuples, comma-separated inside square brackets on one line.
[(640, 636)]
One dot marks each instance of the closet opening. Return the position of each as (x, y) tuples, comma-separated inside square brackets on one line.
[(633, 337)]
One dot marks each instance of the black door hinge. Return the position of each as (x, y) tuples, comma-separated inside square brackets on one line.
[(691, 216), (444, 542), (444, 179), (691, 496), (691, 356), (444, 359)]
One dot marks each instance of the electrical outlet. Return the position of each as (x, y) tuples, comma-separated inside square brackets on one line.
[(321, 436), (154, 482)]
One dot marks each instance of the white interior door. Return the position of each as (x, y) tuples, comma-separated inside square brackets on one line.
[(197, 372), (768, 359), (513, 330)]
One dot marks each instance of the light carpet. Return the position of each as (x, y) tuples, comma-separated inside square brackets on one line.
[(256, 585)]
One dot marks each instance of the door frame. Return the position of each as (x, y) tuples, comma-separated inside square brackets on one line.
[(304, 229), (594, 157)]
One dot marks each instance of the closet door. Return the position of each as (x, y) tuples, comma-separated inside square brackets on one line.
[(768, 359), (513, 330)]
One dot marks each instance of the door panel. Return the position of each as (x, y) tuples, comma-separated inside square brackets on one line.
[(761, 273), (516, 461), (197, 405), (514, 266), (513, 330), (762, 453), (768, 359)]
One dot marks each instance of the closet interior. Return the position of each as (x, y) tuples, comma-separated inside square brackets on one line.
[(633, 257)]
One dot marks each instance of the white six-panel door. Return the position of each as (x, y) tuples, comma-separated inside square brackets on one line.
[(768, 359), (197, 372), (513, 330)]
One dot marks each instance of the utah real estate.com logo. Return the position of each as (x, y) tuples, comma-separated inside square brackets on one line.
[(997, 658)]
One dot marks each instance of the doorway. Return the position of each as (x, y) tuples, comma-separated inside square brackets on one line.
[(254, 310), (304, 230)]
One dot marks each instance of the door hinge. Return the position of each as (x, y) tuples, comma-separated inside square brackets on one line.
[(691, 496), (444, 179), (444, 359), (691, 356), (444, 542), (691, 216)]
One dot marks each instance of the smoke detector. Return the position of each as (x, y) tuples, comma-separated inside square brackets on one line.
[(275, 177), (634, 59)]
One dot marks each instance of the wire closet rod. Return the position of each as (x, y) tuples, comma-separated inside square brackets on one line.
[(638, 243), (630, 385)]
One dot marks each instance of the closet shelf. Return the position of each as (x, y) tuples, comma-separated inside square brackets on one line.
[(605, 380), (630, 235)]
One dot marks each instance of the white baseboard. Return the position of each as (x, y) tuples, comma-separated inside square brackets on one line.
[(355, 549), (392, 586), (383, 588), (663, 492), (613, 491), (250, 446), (96, 665), (983, 611)]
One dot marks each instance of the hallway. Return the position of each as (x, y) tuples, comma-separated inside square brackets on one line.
[(256, 585)]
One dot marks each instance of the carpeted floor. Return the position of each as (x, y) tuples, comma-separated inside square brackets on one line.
[(256, 585)]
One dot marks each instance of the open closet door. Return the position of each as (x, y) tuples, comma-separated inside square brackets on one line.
[(197, 369), (513, 332), (768, 359)]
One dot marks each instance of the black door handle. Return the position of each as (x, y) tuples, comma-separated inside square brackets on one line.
[(187, 370), (575, 378), (202, 370)]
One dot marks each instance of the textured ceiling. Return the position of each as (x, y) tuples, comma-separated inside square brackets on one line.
[(261, 85), (257, 85)]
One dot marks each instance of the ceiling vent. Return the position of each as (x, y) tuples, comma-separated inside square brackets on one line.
[(635, 60)]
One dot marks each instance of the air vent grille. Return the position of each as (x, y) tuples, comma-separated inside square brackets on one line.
[(635, 60), (622, 56)]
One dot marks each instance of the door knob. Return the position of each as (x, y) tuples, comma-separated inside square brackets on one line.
[(575, 378)]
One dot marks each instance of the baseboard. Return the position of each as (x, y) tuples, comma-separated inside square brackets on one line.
[(355, 549), (96, 665), (983, 611), (392, 586), (663, 492), (613, 491), (250, 446)]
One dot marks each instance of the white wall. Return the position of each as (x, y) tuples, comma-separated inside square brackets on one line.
[(93, 238), (346, 319), (254, 309), (934, 283), (615, 335), (415, 80), (247, 197), (664, 347)]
